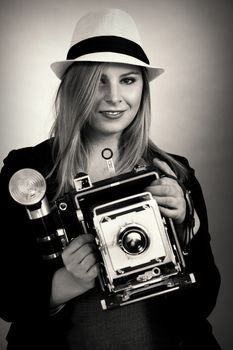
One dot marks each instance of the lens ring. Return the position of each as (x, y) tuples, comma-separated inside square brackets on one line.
[(133, 239)]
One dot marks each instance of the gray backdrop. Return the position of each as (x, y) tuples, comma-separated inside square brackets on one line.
[(191, 102)]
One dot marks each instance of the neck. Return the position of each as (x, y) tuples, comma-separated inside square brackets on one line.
[(97, 165), (98, 143)]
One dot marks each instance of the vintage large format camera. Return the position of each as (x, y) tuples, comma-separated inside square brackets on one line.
[(140, 254)]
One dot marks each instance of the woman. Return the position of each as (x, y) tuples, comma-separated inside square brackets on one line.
[(103, 101)]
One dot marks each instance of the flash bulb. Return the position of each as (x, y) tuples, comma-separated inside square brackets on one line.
[(27, 187)]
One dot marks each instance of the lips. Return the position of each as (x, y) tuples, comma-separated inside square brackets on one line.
[(112, 114)]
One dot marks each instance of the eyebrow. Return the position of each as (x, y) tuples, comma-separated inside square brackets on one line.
[(129, 73), (126, 74)]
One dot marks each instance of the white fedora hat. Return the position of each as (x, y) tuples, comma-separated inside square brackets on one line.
[(106, 36)]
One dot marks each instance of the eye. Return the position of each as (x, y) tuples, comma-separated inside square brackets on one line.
[(102, 81), (128, 80)]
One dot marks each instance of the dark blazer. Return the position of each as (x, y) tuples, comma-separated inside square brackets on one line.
[(26, 280)]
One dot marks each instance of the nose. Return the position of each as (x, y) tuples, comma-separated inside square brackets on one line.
[(113, 93)]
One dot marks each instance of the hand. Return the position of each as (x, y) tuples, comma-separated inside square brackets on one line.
[(168, 194), (80, 259)]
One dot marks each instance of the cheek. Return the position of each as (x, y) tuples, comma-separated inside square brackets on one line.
[(136, 99), (136, 94), (98, 99)]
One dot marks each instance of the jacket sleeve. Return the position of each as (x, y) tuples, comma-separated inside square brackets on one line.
[(199, 301), (201, 260), (25, 280)]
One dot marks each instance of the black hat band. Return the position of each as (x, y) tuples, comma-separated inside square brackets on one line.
[(107, 44)]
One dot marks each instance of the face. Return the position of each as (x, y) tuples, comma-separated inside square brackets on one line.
[(118, 99)]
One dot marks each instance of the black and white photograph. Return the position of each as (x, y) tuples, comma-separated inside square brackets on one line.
[(116, 175)]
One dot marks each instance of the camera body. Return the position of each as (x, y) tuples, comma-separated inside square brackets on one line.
[(140, 255), (139, 251)]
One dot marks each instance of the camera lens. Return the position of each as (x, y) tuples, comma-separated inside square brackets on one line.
[(133, 239)]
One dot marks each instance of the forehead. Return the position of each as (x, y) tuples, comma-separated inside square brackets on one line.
[(120, 68)]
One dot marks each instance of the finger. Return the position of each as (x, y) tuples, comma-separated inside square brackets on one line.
[(80, 254), (80, 268), (88, 262), (165, 187), (172, 203), (93, 272), (163, 191), (163, 166), (164, 181), (88, 269), (168, 202), (78, 242), (170, 213), (172, 208)]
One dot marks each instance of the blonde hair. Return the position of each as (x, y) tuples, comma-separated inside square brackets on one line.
[(73, 106)]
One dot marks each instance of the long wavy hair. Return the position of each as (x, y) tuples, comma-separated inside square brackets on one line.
[(74, 103)]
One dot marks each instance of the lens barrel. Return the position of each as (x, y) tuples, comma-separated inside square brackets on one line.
[(133, 239)]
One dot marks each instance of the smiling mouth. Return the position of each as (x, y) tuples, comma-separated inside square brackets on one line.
[(112, 114)]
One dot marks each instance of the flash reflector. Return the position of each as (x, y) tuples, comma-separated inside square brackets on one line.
[(27, 186)]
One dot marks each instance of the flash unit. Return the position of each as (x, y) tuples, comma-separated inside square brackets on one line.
[(28, 187)]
